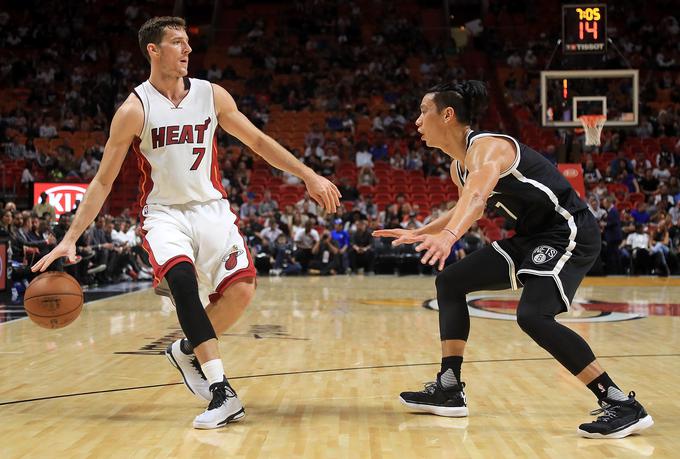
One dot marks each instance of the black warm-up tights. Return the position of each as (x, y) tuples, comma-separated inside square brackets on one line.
[(192, 317), (486, 269)]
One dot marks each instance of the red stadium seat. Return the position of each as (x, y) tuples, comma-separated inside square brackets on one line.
[(485, 222), (419, 197), (291, 189), (366, 189), (435, 187), (383, 198), (418, 189), (493, 234), (384, 188), (437, 198), (636, 197)]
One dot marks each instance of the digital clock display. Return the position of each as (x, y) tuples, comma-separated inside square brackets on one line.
[(584, 29)]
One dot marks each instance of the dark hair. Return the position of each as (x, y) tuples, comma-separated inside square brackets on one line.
[(153, 29), (467, 98)]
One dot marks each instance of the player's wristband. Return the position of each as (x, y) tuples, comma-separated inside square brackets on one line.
[(454, 234)]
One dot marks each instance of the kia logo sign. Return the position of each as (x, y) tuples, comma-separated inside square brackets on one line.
[(62, 196), (573, 172), (570, 173)]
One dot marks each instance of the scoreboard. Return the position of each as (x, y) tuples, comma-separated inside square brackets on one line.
[(584, 29)]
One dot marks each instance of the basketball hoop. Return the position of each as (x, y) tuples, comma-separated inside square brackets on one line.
[(592, 125)]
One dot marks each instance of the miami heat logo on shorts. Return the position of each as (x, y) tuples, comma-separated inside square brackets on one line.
[(231, 258), (543, 253)]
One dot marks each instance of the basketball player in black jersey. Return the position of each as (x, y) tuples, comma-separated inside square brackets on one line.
[(557, 241)]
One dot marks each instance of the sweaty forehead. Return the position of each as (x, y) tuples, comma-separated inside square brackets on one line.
[(171, 33), (428, 100)]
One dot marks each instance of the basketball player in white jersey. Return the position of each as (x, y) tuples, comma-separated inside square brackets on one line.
[(189, 230)]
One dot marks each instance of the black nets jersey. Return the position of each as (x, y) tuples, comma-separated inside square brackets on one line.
[(531, 191)]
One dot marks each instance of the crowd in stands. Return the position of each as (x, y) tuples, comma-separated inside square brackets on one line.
[(638, 204), (342, 97), (108, 251), (632, 178)]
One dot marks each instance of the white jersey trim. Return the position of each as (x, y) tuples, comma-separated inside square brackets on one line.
[(468, 142), (515, 163), (572, 234), (511, 264), (555, 277), (144, 107)]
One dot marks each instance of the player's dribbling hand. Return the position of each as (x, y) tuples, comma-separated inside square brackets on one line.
[(323, 192), (403, 236), (64, 249), (437, 247)]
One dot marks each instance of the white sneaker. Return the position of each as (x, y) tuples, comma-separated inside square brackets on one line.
[(224, 408), (190, 370)]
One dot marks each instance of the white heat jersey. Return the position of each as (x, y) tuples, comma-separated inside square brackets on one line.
[(177, 150)]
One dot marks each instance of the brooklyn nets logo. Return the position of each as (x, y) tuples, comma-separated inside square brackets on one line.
[(543, 253), (501, 307)]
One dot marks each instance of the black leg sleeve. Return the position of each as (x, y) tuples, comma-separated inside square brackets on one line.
[(192, 317), (484, 269), (539, 304)]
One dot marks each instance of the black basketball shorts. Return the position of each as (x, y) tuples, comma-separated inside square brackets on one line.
[(565, 252)]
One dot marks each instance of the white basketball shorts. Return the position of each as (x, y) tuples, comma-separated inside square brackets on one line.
[(205, 235)]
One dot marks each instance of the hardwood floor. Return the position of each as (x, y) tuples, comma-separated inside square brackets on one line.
[(319, 363)]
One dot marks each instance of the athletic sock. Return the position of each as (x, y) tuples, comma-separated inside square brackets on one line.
[(604, 387), (186, 347), (450, 373), (213, 371)]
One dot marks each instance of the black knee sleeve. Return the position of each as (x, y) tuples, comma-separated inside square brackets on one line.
[(536, 311), (484, 269), (454, 319), (192, 317)]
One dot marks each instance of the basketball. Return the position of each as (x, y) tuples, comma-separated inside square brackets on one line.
[(53, 300)]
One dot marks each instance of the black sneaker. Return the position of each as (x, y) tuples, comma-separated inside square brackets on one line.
[(618, 419), (437, 400)]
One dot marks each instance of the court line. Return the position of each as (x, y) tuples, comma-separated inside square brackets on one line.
[(86, 303), (327, 370)]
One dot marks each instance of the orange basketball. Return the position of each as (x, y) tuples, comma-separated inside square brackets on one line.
[(53, 300)]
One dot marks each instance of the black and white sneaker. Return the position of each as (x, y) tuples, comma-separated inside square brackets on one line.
[(617, 419), (437, 400), (225, 407), (190, 369)]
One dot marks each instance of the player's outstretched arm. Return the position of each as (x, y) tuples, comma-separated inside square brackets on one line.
[(126, 124), (404, 236), (236, 123), (485, 161)]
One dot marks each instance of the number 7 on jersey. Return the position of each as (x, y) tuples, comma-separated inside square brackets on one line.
[(200, 151)]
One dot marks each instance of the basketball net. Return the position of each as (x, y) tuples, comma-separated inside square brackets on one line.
[(592, 125)]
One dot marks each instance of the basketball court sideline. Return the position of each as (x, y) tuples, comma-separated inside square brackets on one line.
[(319, 363)]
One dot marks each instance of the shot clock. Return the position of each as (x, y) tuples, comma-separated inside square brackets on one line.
[(584, 29)]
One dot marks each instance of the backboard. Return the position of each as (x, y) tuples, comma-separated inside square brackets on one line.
[(568, 94)]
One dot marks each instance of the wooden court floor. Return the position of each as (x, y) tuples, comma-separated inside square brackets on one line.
[(319, 363)]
